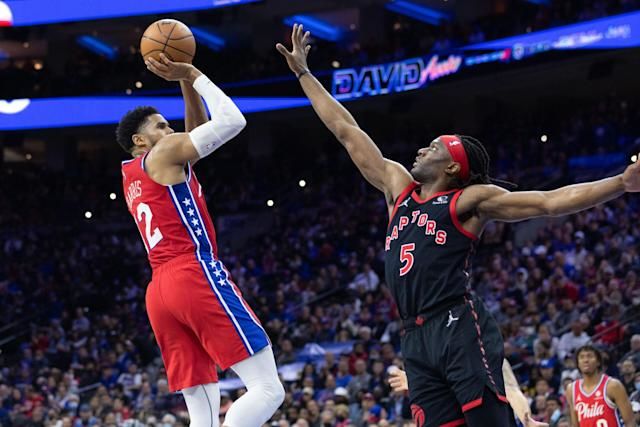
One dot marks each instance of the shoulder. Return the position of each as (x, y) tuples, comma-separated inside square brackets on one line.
[(614, 386), (165, 150), (473, 195)]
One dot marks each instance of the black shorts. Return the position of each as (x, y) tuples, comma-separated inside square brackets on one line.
[(451, 359)]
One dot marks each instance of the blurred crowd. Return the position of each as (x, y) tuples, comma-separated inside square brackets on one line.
[(77, 349), (84, 72)]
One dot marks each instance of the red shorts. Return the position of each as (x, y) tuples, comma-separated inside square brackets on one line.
[(200, 320)]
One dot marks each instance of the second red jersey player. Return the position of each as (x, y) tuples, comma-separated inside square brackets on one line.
[(597, 400)]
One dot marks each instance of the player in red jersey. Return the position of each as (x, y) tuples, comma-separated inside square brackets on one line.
[(197, 312), (594, 398)]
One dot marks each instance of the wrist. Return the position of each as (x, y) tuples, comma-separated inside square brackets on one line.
[(192, 75), (302, 72)]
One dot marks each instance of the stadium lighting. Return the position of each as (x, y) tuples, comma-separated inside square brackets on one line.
[(270, 203), (139, 84), (544, 138), (209, 39), (112, 196), (634, 158), (28, 156), (419, 12), (302, 183), (319, 28), (88, 214), (335, 64), (97, 46)]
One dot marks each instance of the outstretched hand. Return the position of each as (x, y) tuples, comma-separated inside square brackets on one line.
[(398, 381), (297, 58), (631, 177), (530, 422), (167, 69)]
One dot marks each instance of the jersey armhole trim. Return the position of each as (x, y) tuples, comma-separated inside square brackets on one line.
[(408, 189), (454, 217), (608, 401)]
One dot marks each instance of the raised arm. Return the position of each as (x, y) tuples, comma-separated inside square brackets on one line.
[(194, 112), (495, 203), (618, 395), (387, 176), (226, 119)]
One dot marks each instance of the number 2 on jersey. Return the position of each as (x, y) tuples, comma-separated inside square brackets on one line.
[(144, 217), (406, 257)]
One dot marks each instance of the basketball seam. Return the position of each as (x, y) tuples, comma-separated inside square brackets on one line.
[(164, 44), (181, 51), (183, 37)]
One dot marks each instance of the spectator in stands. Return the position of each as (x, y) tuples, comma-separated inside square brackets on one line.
[(573, 339), (628, 375)]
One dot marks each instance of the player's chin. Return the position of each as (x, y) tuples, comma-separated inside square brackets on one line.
[(416, 174)]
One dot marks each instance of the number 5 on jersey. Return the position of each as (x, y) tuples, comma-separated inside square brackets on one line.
[(144, 217), (406, 257)]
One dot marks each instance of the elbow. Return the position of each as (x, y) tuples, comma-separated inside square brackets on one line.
[(236, 124), (341, 130)]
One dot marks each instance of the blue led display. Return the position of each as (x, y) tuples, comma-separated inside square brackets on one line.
[(36, 12), (620, 31), (66, 112)]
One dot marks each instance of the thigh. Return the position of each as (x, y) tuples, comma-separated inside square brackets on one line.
[(491, 413), (473, 360), (211, 305), (185, 360), (432, 401)]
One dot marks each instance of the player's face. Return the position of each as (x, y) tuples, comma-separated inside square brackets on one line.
[(156, 128), (587, 362), (429, 159)]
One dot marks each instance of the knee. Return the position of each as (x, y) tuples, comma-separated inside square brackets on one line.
[(275, 393)]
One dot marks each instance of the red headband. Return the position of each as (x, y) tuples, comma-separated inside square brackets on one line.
[(458, 154)]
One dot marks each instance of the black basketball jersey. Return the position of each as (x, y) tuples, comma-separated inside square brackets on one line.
[(426, 251)]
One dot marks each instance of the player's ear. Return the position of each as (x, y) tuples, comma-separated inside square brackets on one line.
[(138, 139), (453, 169)]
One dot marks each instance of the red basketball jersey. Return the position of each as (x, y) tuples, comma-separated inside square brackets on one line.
[(172, 219), (594, 409)]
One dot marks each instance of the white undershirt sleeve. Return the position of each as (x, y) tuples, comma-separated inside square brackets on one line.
[(226, 119)]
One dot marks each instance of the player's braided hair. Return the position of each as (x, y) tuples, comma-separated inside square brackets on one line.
[(479, 161), (130, 125)]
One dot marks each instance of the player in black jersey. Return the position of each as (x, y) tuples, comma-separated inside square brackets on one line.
[(452, 347)]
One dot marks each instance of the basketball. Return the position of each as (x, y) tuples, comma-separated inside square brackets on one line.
[(171, 37)]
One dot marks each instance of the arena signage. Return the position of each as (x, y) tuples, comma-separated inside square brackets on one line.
[(615, 32), (400, 76)]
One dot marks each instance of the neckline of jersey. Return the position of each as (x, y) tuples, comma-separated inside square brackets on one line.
[(417, 198)]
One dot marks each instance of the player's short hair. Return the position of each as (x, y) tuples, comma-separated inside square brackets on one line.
[(591, 348), (130, 125)]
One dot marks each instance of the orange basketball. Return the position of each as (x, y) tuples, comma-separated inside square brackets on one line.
[(170, 37)]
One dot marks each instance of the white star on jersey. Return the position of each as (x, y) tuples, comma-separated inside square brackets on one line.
[(191, 212), (186, 202), (195, 222)]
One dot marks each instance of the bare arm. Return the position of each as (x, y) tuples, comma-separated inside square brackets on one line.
[(495, 203), (176, 150), (194, 112), (386, 175), (572, 410), (517, 400), (618, 395)]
